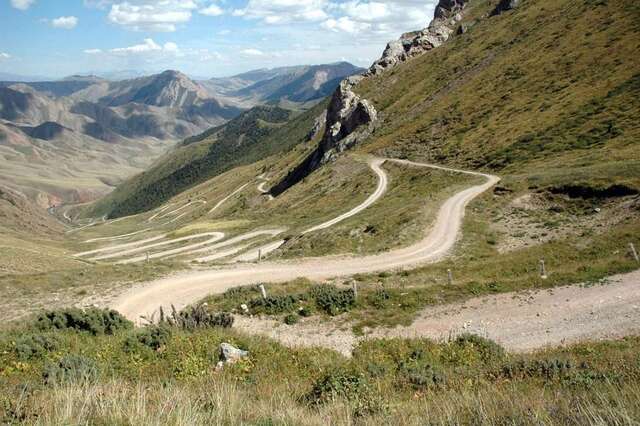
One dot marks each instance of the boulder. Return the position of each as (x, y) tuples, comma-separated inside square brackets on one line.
[(231, 354)]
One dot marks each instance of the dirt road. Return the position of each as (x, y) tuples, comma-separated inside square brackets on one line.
[(185, 288), (520, 322)]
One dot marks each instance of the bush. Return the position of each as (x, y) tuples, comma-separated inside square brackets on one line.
[(152, 336), (195, 317), (71, 368), (94, 321), (424, 377), (273, 305), (488, 350), (379, 298), (338, 384), (333, 301), (34, 346), (291, 319), (348, 385)]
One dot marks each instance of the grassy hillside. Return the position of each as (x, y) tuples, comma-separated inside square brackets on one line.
[(550, 86), (100, 371), (254, 135)]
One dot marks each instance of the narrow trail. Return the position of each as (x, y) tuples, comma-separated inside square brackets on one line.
[(185, 288), (225, 199)]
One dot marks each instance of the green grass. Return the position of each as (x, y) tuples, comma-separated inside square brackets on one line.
[(112, 381)]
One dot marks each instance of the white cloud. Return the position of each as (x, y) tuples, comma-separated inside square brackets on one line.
[(252, 52), (93, 51), (147, 15), (22, 4), (4, 55), (148, 46), (65, 22), (345, 24), (212, 10), (284, 11)]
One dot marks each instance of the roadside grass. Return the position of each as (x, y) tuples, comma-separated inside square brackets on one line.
[(30, 292), (406, 382)]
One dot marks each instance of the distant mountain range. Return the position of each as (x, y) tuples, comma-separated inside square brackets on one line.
[(139, 119)]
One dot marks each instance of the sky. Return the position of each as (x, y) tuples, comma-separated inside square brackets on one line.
[(203, 38)]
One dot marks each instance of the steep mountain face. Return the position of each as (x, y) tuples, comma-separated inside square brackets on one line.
[(513, 86)]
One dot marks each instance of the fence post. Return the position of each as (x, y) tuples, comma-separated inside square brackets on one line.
[(147, 257), (259, 255), (263, 291), (450, 276), (634, 252), (354, 285), (543, 270)]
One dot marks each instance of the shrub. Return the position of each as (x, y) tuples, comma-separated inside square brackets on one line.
[(338, 384), (194, 317), (379, 298), (273, 305), (348, 385), (333, 301), (291, 319), (152, 336), (34, 346), (94, 321), (423, 377), (488, 350), (71, 368)]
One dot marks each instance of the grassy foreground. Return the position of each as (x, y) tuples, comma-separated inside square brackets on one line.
[(98, 370)]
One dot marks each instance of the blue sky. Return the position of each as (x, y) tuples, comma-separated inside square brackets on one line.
[(204, 38)]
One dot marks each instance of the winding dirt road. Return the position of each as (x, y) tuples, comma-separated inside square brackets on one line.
[(185, 288)]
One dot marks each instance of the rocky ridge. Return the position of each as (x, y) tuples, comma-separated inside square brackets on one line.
[(351, 119)]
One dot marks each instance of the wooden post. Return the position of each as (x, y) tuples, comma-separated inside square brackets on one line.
[(147, 257), (634, 252), (450, 276), (263, 291), (543, 270), (354, 285), (259, 255)]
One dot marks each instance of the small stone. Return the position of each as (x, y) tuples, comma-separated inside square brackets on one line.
[(244, 308), (231, 354)]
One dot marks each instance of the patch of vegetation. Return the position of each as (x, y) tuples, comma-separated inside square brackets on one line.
[(152, 336), (386, 381), (193, 317), (93, 320), (29, 346), (70, 368)]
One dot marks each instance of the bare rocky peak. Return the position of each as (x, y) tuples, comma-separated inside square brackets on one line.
[(447, 15)]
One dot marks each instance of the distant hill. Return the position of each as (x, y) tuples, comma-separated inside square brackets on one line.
[(298, 84), (255, 134)]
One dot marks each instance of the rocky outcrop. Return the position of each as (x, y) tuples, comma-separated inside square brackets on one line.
[(447, 15), (318, 125), (504, 6), (349, 119)]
